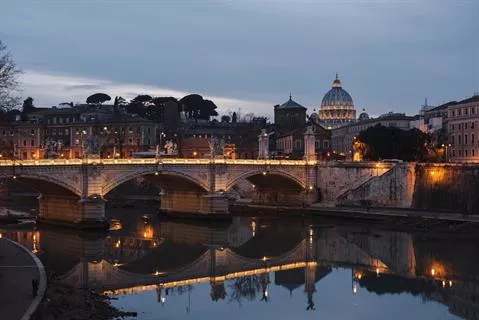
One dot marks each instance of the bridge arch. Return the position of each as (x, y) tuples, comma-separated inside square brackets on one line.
[(260, 176), (45, 183), (165, 178)]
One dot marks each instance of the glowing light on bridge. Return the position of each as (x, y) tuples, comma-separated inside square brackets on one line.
[(135, 161), (172, 284)]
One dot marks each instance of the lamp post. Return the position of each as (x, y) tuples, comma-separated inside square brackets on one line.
[(158, 147), (82, 132), (446, 146)]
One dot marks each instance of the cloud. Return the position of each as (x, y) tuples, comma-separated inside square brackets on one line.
[(48, 89)]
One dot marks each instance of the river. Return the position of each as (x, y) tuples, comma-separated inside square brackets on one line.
[(264, 267)]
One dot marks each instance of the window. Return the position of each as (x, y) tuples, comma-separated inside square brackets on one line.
[(452, 139), (453, 153), (325, 144), (67, 131), (453, 113), (32, 132), (465, 111), (465, 153), (452, 127), (465, 126), (32, 143), (465, 139), (473, 110), (472, 138), (472, 124), (459, 112), (472, 152), (459, 139), (4, 133), (54, 131), (24, 143)]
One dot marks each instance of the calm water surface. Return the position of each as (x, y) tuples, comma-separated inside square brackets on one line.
[(265, 268)]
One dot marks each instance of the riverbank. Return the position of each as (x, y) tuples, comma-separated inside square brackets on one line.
[(354, 212), (63, 302)]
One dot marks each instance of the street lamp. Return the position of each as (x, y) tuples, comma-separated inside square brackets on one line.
[(158, 147), (82, 132), (446, 146)]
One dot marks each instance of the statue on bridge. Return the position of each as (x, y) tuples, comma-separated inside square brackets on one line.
[(171, 148), (91, 146), (216, 147)]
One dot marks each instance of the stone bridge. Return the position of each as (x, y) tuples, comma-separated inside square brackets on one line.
[(202, 186), (73, 191)]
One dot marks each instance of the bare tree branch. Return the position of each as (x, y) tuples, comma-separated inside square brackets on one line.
[(8, 80)]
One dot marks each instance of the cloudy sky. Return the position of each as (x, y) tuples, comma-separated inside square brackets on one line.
[(247, 54)]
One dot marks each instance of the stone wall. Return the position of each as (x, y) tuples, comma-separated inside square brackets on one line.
[(334, 179), (393, 188), (447, 187)]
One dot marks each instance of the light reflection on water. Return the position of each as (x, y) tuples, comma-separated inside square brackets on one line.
[(264, 268)]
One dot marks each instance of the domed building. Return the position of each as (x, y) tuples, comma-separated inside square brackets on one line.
[(363, 116), (337, 107)]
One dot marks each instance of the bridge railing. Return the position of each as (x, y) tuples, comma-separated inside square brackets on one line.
[(186, 161)]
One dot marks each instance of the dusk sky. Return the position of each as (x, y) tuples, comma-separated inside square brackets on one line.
[(390, 55)]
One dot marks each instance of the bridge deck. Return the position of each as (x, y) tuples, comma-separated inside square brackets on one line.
[(52, 162)]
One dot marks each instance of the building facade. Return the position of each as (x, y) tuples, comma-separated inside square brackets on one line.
[(290, 145), (75, 133), (463, 131)]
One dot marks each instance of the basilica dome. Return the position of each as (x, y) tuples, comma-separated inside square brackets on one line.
[(337, 107), (337, 96)]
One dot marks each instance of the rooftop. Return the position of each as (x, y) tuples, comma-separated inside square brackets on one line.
[(291, 104)]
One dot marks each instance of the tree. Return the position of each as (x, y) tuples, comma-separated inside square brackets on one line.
[(8, 80), (226, 119), (119, 101), (234, 118), (248, 118), (28, 105), (393, 143), (195, 107), (98, 98), (138, 105), (207, 110)]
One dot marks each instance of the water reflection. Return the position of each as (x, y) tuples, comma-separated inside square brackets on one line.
[(249, 260)]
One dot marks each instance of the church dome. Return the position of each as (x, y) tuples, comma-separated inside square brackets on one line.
[(337, 107), (337, 96), (363, 116)]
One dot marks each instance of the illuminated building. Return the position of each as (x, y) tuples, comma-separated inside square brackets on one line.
[(337, 107)]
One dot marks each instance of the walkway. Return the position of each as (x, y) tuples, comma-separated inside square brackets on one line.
[(321, 209), (18, 267)]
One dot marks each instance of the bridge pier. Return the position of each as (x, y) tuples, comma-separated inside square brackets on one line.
[(285, 197), (202, 203), (70, 211)]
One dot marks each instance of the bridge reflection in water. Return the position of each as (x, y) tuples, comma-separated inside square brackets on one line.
[(148, 255)]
